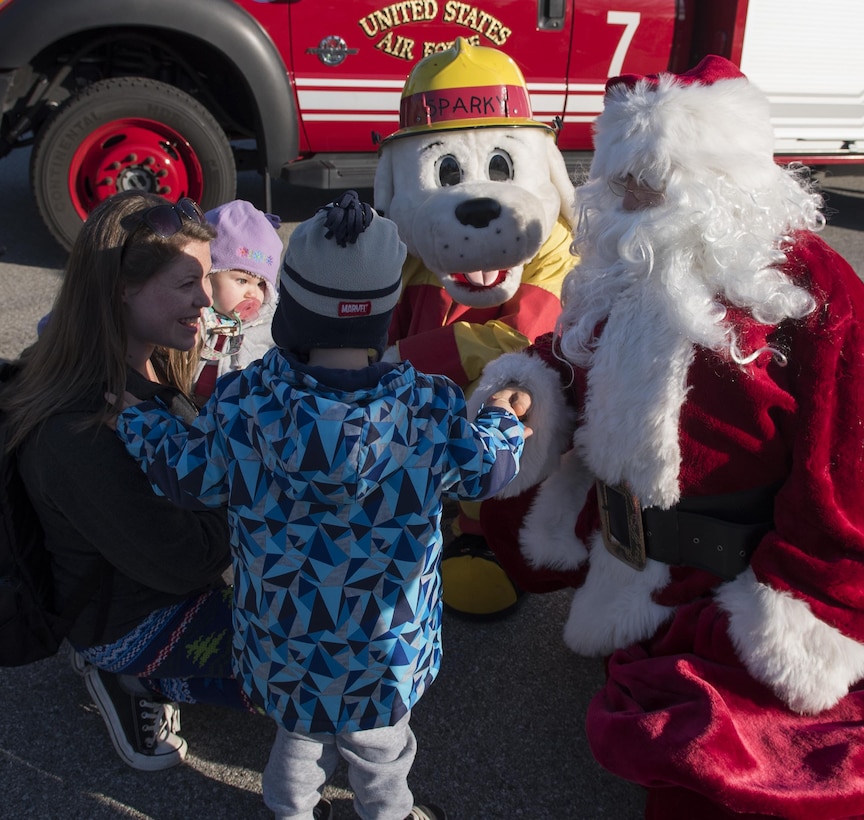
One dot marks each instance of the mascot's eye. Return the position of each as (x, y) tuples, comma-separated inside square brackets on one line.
[(449, 171), (500, 167)]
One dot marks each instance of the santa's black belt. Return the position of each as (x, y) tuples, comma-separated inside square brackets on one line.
[(716, 533)]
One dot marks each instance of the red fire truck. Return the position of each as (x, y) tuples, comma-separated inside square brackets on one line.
[(176, 97)]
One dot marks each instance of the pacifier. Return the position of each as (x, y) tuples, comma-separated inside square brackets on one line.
[(247, 310)]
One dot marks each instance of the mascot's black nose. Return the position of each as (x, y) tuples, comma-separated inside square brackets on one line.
[(478, 213)]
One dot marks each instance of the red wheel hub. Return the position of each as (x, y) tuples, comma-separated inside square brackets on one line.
[(133, 154)]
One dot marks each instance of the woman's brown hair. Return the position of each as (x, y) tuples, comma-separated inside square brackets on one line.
[(82, 349)]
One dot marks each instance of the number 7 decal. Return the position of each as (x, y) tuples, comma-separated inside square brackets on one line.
[(630, 21)]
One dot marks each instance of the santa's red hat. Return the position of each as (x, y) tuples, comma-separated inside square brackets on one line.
[(708, 120), (711, 70)]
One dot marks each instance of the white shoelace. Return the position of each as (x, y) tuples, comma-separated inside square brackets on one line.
[(162, 719)]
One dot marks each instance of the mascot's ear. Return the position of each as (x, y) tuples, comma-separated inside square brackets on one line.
[(560, 179), (382, 191)]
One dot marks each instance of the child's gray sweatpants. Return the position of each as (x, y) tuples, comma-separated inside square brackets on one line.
[(378, 764)]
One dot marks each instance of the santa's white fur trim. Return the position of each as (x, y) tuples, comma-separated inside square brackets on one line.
[(547, 536), (614, 608), (807, 663), (651, 131), (549, 417)]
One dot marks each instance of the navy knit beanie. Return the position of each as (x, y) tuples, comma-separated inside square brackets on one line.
[(341, 278)]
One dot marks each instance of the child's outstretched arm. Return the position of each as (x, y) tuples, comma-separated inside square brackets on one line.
[(485, 453), (185, 463)]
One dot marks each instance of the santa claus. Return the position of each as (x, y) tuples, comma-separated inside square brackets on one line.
[(697, 472)]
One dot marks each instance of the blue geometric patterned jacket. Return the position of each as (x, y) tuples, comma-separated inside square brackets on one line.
[(335, 502)]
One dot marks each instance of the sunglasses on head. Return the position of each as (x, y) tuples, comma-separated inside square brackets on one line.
[(166, 220)]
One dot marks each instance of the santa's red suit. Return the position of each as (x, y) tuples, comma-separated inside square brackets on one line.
[(736, 653)]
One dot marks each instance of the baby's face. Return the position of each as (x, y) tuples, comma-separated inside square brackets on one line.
[(232, 287)]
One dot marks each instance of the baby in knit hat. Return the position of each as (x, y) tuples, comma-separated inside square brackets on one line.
[(333, 466), (246, 256)]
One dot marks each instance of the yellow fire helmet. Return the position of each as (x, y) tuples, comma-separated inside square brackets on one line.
[(465, 86)]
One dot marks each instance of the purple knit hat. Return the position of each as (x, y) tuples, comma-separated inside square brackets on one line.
[(247, 240)]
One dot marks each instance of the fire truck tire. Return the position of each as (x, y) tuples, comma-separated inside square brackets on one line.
[(127, 133)]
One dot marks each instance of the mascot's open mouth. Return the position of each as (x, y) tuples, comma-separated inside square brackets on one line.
[(479, 279)]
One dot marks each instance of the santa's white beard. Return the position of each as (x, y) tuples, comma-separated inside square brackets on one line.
[(636, 386), (651, 256), (701, 246), (652, 281)]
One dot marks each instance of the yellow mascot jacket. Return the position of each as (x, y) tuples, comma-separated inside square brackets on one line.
[(439, 335)]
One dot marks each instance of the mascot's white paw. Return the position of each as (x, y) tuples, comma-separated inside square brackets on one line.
[(547, 537), (807, 663)]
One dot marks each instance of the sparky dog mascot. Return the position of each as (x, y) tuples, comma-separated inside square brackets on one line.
[(709, 511), (482, 198)]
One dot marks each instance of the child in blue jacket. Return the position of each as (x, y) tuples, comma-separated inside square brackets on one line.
[(333, 466)]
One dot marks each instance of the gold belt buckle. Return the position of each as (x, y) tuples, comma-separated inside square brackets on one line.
[(633, 552)]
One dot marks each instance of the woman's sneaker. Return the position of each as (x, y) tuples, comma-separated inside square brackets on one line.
[(428, 811), (139, 726), (76, 660)]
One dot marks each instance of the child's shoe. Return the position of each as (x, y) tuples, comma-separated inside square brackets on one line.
[(429, 811), (323, 811)]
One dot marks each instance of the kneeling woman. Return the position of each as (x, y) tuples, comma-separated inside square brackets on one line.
[(154, 626)]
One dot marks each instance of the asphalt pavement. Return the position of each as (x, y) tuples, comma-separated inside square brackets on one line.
[(500, 733)]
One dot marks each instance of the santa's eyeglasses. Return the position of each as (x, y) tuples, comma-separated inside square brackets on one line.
[(620, 186), (166, 220)]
